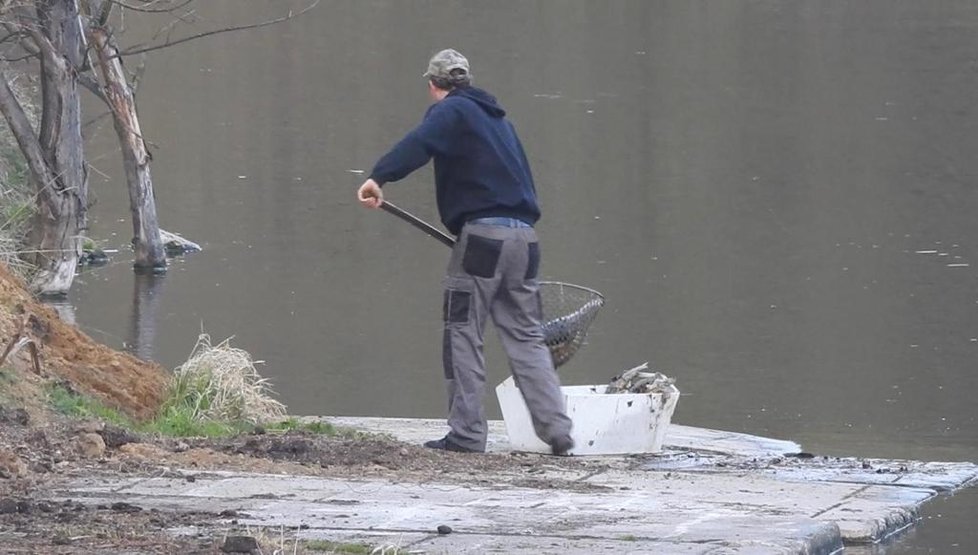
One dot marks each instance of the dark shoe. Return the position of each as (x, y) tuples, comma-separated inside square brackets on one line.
[(562, 446), (446, 444)]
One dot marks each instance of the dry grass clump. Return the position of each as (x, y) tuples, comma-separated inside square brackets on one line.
[(17, 206), (220, 383), (10, 251)]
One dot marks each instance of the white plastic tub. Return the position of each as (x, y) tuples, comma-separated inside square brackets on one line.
[(604, 424)]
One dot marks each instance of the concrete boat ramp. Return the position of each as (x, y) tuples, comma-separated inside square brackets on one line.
[(708, 492)]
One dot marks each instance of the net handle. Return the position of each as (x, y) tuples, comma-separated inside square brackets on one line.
[(417, 222)]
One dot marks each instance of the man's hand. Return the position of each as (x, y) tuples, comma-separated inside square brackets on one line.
[(370, 194)]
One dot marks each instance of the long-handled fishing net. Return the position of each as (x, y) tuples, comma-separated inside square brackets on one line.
[(568, 309)]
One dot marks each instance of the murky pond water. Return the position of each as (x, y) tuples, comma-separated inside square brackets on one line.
[(777, 199)]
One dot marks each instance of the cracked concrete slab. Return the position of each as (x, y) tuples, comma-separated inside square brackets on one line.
[(483, 519)]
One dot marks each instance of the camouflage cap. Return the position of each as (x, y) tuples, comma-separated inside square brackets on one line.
[(442, 64)]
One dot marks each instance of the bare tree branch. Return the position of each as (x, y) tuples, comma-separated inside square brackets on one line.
[(169, 27), (19, 58), (93, 86), (20, 48), (23, 132), (150, 10), (10, 37), (96, 119), (168, 43), (18, 29)]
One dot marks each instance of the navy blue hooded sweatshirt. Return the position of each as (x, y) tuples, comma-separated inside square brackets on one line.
[(480, 167)]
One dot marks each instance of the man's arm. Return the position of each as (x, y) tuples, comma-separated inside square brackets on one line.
[(407, 155), (433, 136)]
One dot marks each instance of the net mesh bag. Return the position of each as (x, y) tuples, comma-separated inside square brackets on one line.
[(568, 310)]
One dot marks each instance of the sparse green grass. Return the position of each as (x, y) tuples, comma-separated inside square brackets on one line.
[(72, 404), (628, 538), (182, 413), (172, 422), (327, 546), (217, 393), (178, 421)]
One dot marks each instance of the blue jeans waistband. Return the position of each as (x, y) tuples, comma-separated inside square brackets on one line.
[(501, 222)]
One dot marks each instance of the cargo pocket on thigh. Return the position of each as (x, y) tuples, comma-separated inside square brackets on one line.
[(481, 256), (457, 312), (457, 305), (532, 261)]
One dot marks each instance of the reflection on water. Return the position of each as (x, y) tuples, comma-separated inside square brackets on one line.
[(146, 290), (141, 314)]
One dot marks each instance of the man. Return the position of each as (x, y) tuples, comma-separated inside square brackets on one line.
[(486, 197)]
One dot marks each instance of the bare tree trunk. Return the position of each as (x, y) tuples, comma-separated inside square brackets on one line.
[(63, 201), (55, 153), (51, 234), (147, 242)]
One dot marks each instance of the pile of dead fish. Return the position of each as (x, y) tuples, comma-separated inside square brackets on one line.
[(641, 380)]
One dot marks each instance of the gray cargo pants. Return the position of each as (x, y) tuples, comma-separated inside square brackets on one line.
[(493, 272)]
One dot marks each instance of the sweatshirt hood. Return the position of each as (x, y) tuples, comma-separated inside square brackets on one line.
[(485, 100)]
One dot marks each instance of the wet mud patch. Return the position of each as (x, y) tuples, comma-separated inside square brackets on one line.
[(68, 526), (360, 453), (328, 452), (301, 452)]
